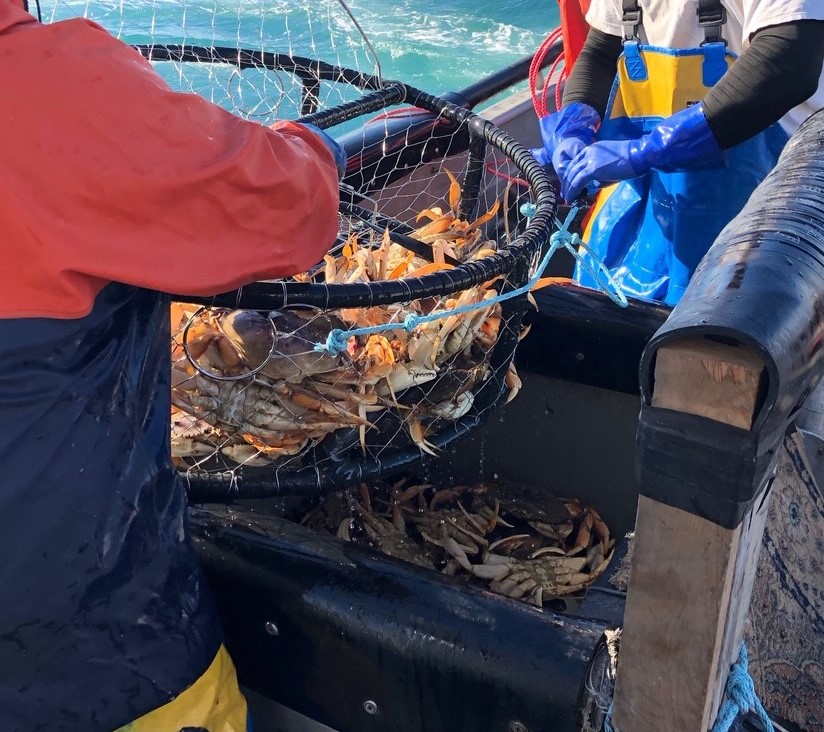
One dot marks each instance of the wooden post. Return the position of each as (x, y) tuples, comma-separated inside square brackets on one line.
[(691, 579)]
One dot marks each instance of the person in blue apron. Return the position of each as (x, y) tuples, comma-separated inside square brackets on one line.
[(705, 97)]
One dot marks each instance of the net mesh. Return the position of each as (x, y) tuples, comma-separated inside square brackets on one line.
[(263, 396), (324, 31), (254, 392)]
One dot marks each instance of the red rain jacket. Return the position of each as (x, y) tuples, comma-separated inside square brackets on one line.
[(106, 175)]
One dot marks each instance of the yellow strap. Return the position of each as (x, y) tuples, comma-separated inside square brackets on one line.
[(213, 702), (600, 201), (672, 84)]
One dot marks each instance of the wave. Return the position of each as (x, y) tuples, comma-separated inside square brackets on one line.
[(435, 45)]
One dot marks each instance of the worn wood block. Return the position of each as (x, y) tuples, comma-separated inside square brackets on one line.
[(691, 580), (689, 591), (715, 380)]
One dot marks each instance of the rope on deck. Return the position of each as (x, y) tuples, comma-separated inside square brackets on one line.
[(739, 698)]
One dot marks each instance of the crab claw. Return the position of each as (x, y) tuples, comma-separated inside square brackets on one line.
[(513, 382), (416, 432)]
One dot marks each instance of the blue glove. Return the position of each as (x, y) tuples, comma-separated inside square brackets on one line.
[(337, 151), (565, 133), (682, 141)]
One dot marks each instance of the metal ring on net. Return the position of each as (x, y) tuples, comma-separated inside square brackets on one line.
[(310, 71), (184, 342), (325, 472), (271, 102)]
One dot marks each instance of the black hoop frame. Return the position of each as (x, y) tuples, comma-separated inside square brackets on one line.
[(512, 261)]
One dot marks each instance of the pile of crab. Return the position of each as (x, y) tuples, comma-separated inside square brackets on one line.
[(253, 387), (516, 540)]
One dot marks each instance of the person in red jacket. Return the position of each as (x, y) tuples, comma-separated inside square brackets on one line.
[(113, 191)]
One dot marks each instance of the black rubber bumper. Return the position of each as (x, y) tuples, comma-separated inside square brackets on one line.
[(323, 627), (761, 285)]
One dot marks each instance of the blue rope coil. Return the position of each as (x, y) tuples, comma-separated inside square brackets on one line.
[(739, 698), (336, 341), (608, 721)]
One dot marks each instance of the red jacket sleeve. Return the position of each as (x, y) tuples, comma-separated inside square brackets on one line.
[(111, 176)]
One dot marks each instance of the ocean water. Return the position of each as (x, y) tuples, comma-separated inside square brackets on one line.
[(436, 46)]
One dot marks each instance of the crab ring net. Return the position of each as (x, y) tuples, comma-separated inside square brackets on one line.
[(431, 229), (263, 408)]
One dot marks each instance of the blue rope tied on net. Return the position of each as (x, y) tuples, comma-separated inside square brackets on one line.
[(337, 339), (739, 698)]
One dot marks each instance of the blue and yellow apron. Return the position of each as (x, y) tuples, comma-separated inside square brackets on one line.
[(652, 231)]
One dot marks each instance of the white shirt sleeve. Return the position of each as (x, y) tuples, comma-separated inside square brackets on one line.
[(606, 16), (760, 14)]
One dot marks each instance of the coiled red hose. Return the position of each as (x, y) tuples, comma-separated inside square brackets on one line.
[(539, 101)]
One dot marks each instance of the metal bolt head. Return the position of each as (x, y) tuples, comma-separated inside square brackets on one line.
[(516, 726), (271, 628), (370, 707)]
